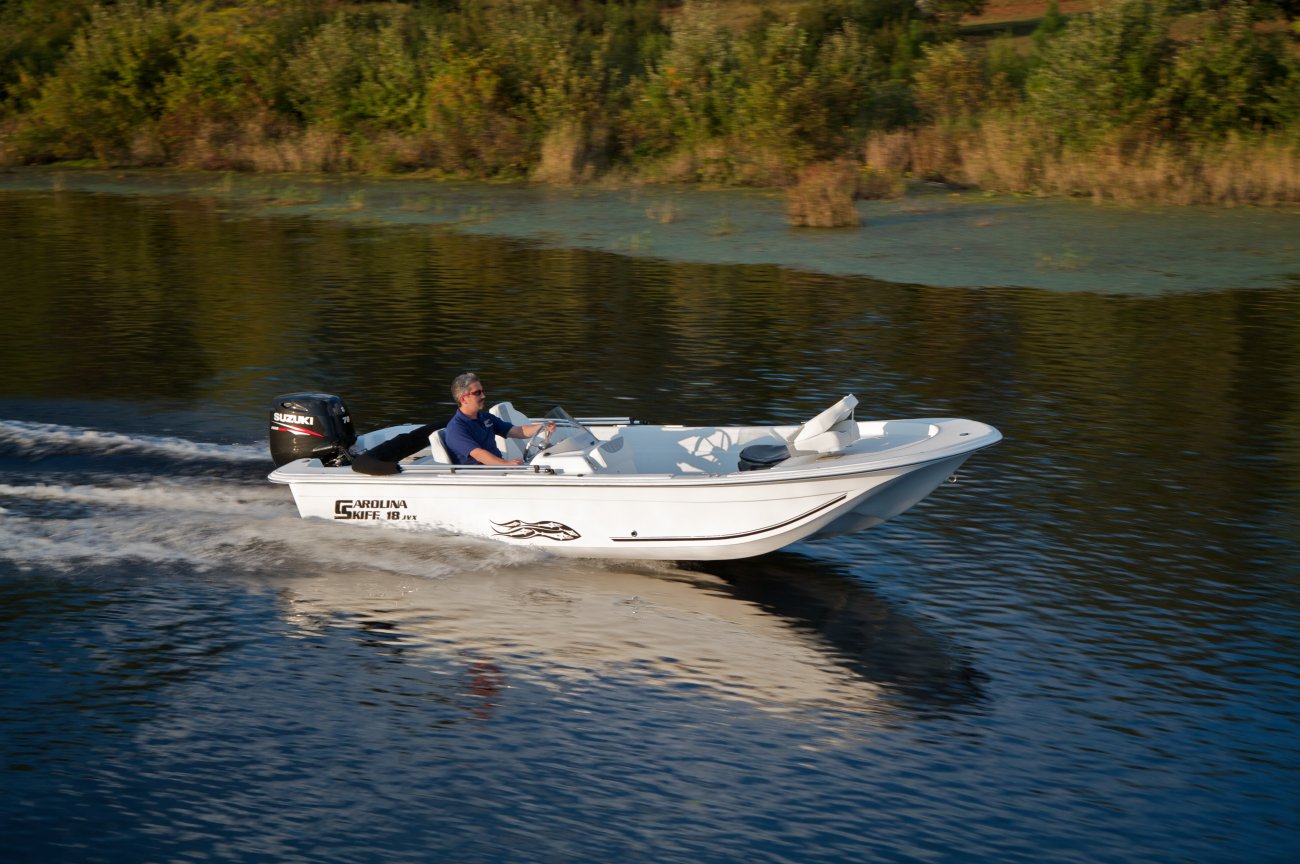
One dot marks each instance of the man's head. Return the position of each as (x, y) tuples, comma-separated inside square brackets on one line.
[(467, 390)]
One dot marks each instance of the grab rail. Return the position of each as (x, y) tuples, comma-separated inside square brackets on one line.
[(607, 421), (452, 469)]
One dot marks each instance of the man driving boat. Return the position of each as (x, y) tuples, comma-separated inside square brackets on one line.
[(471, 433)]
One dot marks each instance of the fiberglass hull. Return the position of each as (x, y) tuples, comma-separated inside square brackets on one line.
[(688, 514)]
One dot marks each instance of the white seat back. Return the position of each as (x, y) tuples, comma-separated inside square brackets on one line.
[(614, 456), (831, 430), (511, 448), (438, 448)]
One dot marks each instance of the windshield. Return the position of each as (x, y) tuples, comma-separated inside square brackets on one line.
[(569, 435)]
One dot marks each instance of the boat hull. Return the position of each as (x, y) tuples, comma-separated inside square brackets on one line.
[(670, 516)]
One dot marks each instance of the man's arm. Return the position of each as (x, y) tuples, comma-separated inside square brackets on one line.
[(524, 431), (486, 457)]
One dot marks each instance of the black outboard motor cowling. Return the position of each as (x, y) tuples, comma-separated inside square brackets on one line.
[(311, 426)]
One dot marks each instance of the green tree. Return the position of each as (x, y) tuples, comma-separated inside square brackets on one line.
[(322, 73), (772, 105), (388, 94), (1226, 78), (847, 89), (1102, 71), (558, 65), (474, 116), (109, 87), (1051, 24), (34, 36), (951, 83), (688, 95), (231, 61)]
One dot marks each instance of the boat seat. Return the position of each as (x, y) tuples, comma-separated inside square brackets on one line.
[(830, 431), (438, 448), (614, 456), (511, 448)]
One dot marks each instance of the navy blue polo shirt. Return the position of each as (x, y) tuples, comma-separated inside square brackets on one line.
[(465, 434)]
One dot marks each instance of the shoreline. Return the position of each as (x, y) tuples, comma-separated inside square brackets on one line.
[(934, 236), (998, 156), (1024, 97)]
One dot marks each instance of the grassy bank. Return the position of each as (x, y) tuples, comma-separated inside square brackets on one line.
[(1136, 100), (1014, 154)]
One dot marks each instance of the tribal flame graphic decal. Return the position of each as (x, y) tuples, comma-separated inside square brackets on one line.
[(519, 530)]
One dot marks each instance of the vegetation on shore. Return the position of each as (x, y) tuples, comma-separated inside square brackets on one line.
[(1182, 101)]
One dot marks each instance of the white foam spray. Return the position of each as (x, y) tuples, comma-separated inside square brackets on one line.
[(46, 439), (206, 524)]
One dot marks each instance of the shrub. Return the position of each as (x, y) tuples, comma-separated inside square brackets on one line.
[(823, 196), (388, 95), (950, 85), (1227, 79), (687, 96), (35, 35), (230, 73), (847, 90), (1102, 71), (109, 87), (322, 73), (560, 80), (568, 155), (775, 98), (473, 120)]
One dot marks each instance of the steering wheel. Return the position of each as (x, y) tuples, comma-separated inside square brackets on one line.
[(540, 440)]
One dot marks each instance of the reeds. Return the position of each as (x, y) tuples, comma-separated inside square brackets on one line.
[(568, 156), (823, 196), (1017, 155)]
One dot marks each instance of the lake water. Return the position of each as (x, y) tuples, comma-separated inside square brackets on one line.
[(1085, 650)]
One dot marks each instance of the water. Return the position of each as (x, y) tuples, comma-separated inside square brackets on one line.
[(1085, 650)]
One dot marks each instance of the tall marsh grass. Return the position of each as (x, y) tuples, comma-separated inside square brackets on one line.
[(1015, 154), (824, 196)]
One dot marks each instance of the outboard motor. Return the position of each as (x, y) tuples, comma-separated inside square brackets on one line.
[(311, 426)]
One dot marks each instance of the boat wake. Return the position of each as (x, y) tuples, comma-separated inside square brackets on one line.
[(41, 440), (78, 499), (208, 526)]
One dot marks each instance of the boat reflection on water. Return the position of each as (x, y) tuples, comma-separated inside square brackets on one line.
[(733, 631), (861, 630)]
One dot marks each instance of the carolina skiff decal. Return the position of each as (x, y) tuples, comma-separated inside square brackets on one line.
[(373, 509), (517, 529)]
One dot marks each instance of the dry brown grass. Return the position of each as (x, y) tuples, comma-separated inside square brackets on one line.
[(889, 151), (568, 156), (1258, 172), (307, 151), (1013, 154), (1001, 154), (389, 153), (823, 196), (260, 143), (725, 162), (877, 183)]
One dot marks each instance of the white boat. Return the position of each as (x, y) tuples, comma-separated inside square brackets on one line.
[(614, 488)]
